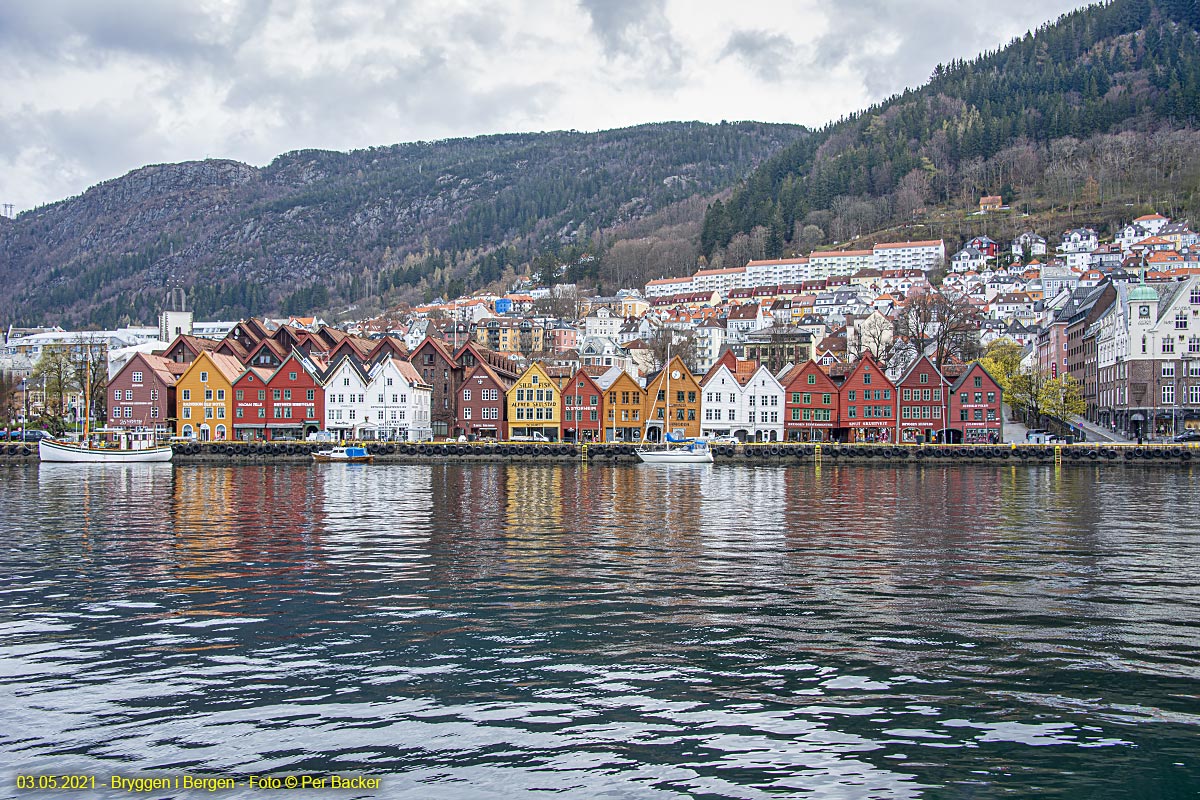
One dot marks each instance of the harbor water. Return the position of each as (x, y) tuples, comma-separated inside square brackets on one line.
[(503, 630)]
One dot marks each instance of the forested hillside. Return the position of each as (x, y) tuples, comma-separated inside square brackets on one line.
[(319, 229), (1096, 108)]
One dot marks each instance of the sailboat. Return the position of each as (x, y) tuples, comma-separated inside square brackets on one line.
[(136, 447), (687, 450)]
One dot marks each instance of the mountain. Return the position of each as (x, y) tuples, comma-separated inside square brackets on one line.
[(316, 228), (1088, 114)]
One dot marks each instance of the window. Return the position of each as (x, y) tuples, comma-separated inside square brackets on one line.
[(204, 377), (467, 412), (991, 397), (187, 413), (924, 377), (287, 394), (239, 394), (1168, 344), (466, 395), (979, 415), (154, 412), (153, 395), (137, 377), (978, 397), (907, 394), (812, 379), (276, 394), (866, 377), (291, 376), (129, 394), (345, 381), (208, 412), (1193, 395), (1168, 370), (826, 399), (852, 412), (1181, 320), (208, 394), (978, 381), (311, 394), (851, 395), (262, 394)]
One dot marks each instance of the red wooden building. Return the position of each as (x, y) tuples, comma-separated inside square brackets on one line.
[(287, 402), (975, 412), (142, 394), (923, 402), (482, 403), (582, 407), (811, 404), (868, 404), (439, 369)]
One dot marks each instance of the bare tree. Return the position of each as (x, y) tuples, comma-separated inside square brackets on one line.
[(947, 322), (678, 343), (89, 374)]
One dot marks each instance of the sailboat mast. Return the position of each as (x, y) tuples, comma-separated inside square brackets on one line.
[(87, 399), (667, 369)]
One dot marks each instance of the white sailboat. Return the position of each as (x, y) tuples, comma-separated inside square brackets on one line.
[(686, 450), (135, 447)]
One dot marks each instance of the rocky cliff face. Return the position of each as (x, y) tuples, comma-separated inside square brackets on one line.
[(242, 238)]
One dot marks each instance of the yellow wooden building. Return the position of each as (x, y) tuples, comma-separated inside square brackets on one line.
[(533, 405), (624, 409), (204, 397), (672, 401)]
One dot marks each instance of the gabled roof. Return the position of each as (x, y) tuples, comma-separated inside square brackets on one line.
[(924, 359), (970, 369)]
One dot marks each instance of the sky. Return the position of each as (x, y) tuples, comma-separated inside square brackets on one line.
[(93, 90)]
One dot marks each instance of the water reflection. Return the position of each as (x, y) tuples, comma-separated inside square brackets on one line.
[(507, 629)]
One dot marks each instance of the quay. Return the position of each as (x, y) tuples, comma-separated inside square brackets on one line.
[(766, 453)]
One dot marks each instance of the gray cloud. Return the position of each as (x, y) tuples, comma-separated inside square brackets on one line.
[(89, 32), (639, 31), (770, 56), (925, 31), (96, 89)]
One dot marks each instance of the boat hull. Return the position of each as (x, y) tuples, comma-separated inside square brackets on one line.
[(57, 452), (674, 457), (324, 459)]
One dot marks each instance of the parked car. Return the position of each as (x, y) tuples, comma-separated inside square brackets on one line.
[(322, 436), (1188, 436), (725, 440), (32, 435), (533, 437)]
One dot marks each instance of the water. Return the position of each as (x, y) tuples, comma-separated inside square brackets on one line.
[(616, 632)]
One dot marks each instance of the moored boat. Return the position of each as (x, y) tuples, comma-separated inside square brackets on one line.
[(343, 455), (693, 451), (56, 451)]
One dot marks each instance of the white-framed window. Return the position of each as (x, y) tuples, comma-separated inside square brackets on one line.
[(1168, 369), (1168, 394), (467, 412), (466, 395), (137, 377)]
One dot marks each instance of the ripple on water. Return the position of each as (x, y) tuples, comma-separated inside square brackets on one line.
[(503, 630)]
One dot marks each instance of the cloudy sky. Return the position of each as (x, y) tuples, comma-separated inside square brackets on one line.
[(95, 89)]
